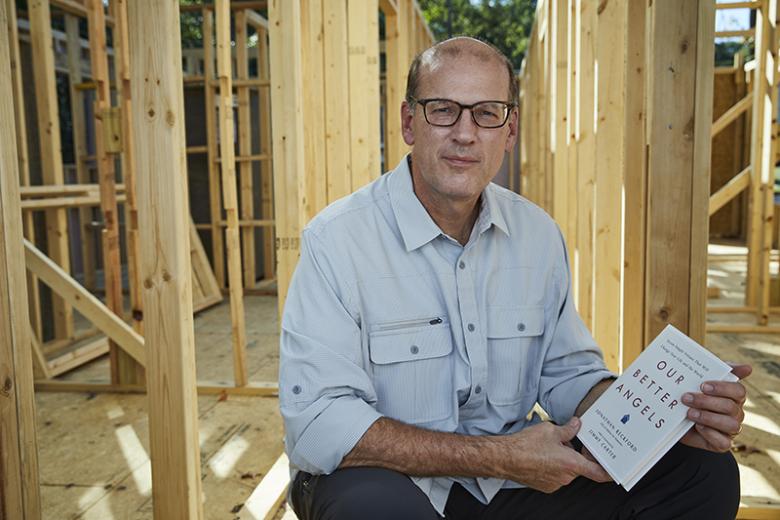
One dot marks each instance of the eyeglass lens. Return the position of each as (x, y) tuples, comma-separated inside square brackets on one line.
[(444, 112)]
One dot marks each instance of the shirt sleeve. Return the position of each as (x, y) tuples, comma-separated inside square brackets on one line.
[(326, 397), (573, 363)]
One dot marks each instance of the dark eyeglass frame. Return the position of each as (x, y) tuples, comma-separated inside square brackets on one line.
[(461, 107)]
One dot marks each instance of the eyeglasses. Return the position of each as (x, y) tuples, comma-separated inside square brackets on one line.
[(446, 112)]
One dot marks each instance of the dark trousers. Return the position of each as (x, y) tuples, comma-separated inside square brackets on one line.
[(686, 484)]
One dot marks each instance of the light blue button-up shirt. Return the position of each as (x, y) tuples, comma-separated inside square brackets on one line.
[(388, 316)]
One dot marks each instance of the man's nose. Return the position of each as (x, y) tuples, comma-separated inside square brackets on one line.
[(465, 129)]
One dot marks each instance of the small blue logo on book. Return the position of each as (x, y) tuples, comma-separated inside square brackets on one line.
[(625, 418)]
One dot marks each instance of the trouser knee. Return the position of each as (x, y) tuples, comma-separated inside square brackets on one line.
[(360, 493), (721, 481)]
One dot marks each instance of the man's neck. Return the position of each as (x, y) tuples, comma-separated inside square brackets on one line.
[(455, 218)]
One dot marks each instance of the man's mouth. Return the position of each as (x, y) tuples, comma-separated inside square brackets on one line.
[(461, 160)]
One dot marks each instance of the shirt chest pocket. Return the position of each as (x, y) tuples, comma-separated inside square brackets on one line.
[(514, 337), (412, 370)]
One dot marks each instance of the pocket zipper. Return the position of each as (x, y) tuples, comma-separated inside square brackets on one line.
[(409, 324)]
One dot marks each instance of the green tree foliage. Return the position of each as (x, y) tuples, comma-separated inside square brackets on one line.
[(504, 23)]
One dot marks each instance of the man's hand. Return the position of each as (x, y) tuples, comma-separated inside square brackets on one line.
[(545, 460), (717, 412)]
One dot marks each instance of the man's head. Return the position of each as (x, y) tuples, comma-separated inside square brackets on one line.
[(456, 162)]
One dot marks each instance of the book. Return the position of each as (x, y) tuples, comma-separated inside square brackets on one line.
[(641, 415)]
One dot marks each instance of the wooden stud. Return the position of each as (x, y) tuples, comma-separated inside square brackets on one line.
[(163, 210), (767, 165), (760, 137), (363, 22), (122, 68), (700, 177), (634, 231), (227, 153), (610, 171), (266, 168), (33, 293), (19, 485), (395, 85), (337, 117), (244, 149), (679, 62), (312, 29), (288, 147), (123, 368), (80, 147), (586, 160), (571, 171), (50, 149), (558, 134), (215, 190)]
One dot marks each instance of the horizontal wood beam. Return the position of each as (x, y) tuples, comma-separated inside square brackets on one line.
[(735, 328), (83, 301), (730, 190), (260, 389), (738, 5), (27, 192), (76, 8), (92, 199), (234, 6), (744, 33), (732, 113)]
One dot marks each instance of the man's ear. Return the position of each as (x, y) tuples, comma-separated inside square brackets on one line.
[(513, 128), (407, 118)]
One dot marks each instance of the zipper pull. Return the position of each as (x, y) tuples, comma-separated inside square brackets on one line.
[(435, 321)]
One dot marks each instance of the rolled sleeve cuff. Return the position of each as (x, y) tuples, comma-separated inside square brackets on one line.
[(329, 437), (565, 398)]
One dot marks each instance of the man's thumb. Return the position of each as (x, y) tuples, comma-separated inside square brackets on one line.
[(570, 429)]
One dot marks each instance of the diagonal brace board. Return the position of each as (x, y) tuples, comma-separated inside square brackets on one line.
[(81, 299)]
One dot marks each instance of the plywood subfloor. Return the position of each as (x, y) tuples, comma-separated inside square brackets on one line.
[(757, 449), (94, 448)]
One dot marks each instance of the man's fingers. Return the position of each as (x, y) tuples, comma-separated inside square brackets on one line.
[(717, 440), (721, 405), (593, 471), (570, 429), (727, 425), (741, 370)]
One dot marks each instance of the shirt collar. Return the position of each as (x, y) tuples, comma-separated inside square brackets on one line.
[(416, 225)]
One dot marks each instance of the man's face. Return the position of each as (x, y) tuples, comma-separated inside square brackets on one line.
[(454, 164)]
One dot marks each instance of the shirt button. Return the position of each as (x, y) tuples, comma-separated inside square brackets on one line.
[(462, 264), (521, 327), (414, 349), (471, 327), (296, 389), (478, 389)]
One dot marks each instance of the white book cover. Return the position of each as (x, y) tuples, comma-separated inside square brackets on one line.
[(641, 415)]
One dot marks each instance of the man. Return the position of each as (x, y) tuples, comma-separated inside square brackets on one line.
[(431, 309)]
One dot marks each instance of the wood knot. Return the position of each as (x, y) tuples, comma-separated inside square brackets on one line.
[(166, 276), (664, 314), (7, 386), (148, 283), (684, 46), (170, 118)]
